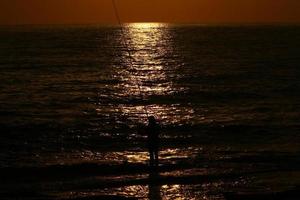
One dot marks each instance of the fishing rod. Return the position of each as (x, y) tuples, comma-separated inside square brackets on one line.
[(126, 43)]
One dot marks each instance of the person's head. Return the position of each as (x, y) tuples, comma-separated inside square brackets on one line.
[(151, 120)]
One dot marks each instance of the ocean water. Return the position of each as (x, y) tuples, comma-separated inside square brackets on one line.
[(227, 99)]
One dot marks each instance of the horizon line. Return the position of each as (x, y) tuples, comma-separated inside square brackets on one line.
[(155, 22)]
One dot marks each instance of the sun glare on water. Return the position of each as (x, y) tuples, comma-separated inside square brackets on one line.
[(145, 74), (146, 25), (147, 60)]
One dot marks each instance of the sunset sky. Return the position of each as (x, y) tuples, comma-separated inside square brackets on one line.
[(181, 11)]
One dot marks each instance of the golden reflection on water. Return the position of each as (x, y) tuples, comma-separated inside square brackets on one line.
[(146, 43), (166, 192), (134, 191), (167, 155), (166, 114), (150, 192), (172, 191), (145, 73)]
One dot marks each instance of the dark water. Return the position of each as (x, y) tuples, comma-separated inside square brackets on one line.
[(226, 96)]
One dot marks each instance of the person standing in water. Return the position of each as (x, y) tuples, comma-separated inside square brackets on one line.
[(153, 130)]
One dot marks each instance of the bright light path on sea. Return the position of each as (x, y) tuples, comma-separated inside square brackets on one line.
[(145, 74)]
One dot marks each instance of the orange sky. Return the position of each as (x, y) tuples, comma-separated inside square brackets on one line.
[(182, 11)]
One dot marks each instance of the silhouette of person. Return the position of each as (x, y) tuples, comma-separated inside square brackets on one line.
[(153, 141)]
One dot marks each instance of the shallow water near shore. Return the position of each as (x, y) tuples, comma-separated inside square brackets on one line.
[(74, 102)]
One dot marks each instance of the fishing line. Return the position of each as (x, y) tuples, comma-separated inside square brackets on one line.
[(126, 43)]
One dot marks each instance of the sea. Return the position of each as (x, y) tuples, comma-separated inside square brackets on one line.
[(74, 103)]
